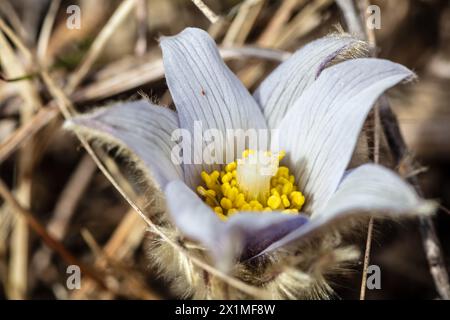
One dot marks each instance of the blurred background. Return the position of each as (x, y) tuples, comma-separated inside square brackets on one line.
[(114, 55)]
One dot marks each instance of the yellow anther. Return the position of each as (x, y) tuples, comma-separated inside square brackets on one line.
[(210, 180), (287, 188), (206, 177), (281, 155), (282, 180), (274, 192), (227, 177), (256, 206), (211, 193), (226, 203), (231, 193), (240, 200), (232, 189), (297, 199), (211, 202), (274, 201), (215, 175), (274, 181), (231, 166), (201, 191), (279, 188), (225, 187), (285, 201), (283, 172)]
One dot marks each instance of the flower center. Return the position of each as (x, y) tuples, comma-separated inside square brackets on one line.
[(256, 182)]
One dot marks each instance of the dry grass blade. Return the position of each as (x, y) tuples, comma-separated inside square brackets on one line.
[(8, 11), (46, 237), (280, 18), (91, 242), (146, 72), (243, 23), (376, 158), (46, 30), (117, 18), (13, 67), (285, 31), (70, 196), (64, 209), (122, 243), (20, 46), (26, 131), (306, 20), (141, 19), (352, 17), (126, 237), (212, 17)]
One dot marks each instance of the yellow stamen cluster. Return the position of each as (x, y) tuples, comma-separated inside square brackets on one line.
[(222, 192)]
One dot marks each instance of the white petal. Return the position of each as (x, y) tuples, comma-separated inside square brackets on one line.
[(140, 127), (204, 89), (191, 215), (278, 92), (242, 236), (320, 131), (370, 190)]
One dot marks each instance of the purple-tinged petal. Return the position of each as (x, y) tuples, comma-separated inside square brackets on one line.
[(242, 236), (204, 89), (369, 190), (323, 126), (260, 230), (139, 127), (278, 92)]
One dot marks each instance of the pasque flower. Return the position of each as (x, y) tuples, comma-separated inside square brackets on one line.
[(278, 231)]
